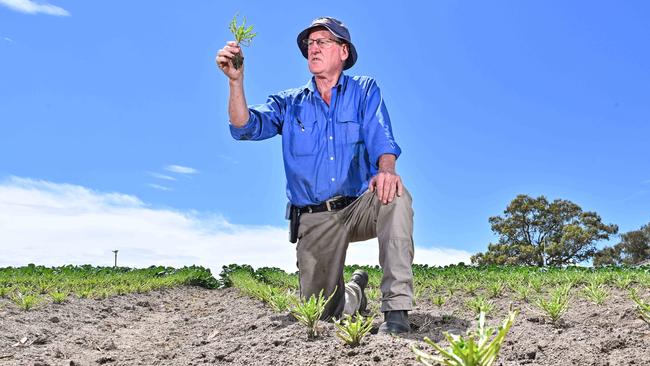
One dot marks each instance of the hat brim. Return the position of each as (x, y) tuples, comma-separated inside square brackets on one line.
[(352, 57)]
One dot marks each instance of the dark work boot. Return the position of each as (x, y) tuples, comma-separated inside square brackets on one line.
[(395, 322), (360, 277)]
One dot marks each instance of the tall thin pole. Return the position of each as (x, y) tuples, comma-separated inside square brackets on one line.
[(115, 251)]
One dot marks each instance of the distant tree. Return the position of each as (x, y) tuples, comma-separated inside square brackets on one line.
[(635, 245), (607, 256), (634, 248), (534, 231)]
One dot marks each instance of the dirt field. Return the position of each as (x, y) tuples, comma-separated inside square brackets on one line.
[(194, 326)]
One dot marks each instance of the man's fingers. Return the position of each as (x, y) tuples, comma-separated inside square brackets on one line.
[(392, 187), (225, 55), (386, 185), (223, 58), (380, 187), (232, 49), (371, 184), (400, 187)]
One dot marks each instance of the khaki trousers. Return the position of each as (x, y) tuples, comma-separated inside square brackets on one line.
[(323, 240)]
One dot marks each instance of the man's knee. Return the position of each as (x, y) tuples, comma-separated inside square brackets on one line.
[(404, 200), (396, 222), (401, 206)]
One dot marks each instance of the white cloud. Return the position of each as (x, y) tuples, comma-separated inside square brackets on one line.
[(159, 187), (181, 169), (55, 224), (31, 7), (161, 176), (7, 39)]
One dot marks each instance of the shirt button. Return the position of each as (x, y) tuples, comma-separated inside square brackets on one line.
[(333, 179), (331, 137), (331, 158)]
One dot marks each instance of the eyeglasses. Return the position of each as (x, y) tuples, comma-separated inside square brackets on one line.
[(321, 42)]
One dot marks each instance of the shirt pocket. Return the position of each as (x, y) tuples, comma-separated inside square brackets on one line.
[(350, 127), (304, 134)]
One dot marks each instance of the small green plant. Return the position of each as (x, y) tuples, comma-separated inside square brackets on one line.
[(352, 331), (474, 350), (373, 294), (642, 306), (142, 288), (438, 300), (496, 289), (556, 306), (5, 291), (536, 284), (623, 282), (480, 304), (243, 36), (26, 302), (471, 287), (84, 293), (59, 297), (522, 293), (279, 299), (418, 292), (100, 294), (308, 312), (43, 287), (374, 308), (596, 293)]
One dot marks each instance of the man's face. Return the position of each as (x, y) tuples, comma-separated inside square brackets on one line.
[(327, 58)]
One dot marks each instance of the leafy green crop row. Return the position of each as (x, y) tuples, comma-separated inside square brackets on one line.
[(492, 281), (30, 285)]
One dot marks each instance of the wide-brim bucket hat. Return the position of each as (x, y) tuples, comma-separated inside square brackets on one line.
[(338, 29)]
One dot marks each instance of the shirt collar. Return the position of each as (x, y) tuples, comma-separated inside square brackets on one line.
[(311, 84)]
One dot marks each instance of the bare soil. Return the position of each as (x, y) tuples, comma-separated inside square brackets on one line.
[(194, 326)]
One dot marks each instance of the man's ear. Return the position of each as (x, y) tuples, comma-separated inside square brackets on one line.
[(345, 51)]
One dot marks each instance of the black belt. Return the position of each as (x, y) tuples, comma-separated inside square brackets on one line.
[(332, 204)]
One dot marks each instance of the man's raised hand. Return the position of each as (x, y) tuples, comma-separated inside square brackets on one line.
[(224, 61)]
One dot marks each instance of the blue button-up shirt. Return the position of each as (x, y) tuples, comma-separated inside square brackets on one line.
[(328, 150)]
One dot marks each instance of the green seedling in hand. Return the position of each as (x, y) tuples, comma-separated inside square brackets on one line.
[(243, 36)]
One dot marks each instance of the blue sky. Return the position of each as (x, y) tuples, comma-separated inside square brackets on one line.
[(488, 100)]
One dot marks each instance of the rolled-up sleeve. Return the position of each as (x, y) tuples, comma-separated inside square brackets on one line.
[(378, 133), (265, 120)]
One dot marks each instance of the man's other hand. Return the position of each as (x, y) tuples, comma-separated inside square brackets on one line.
[(386, 184)]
